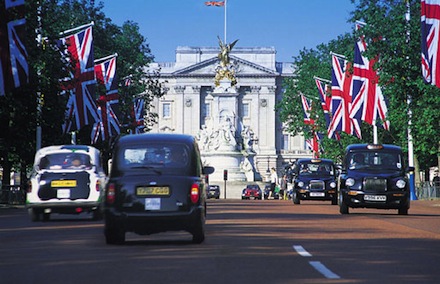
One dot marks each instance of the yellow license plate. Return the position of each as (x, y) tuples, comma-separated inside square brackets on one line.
[(63, 183), (153, 190)]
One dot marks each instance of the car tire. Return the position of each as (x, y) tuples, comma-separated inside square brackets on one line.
[(46, 217), (296, 198), (97, 215), (343, 208), (199, 232), (335, 200), (35, 215), (403, 210), (113, 234)]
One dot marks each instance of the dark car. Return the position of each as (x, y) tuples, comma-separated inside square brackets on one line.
[(156, 184), (314, 179), (374, 176), (213, 191), (251, 191)]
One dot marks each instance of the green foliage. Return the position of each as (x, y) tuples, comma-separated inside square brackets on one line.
[(18, 109), (397, 42)]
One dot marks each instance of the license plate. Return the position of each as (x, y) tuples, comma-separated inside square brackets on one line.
[(152, 203), (153, 190), (63, 193), (317, 194), (63, 183), (375, 197)]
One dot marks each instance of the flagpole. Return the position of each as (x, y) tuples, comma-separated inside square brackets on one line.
[(321, 79), (92, 23), (105, 58), (226, 1), (409, 99)]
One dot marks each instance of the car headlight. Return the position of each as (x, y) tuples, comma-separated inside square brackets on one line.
[(401, 184), (333, 184), (349, 182), (300, 184)]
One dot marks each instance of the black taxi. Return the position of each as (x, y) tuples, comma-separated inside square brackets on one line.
[(374, 176), (314, 179), (156, 184)]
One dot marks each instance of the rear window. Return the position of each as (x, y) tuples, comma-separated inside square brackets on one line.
[(156, 155), (59, 161)]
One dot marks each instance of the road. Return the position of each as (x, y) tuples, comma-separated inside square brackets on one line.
[(249, 241)]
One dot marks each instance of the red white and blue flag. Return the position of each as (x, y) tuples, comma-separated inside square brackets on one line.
[(313, 144), (430, 20), (108, 103), (307, 107), (215, 3), (81, 106), (341, 100), (368, 103), (324, 91), (14, 69), (137, 116)]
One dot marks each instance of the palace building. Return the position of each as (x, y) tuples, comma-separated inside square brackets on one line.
[(231, 117)]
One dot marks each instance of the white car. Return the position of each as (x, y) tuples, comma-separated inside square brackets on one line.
[(66, 179)]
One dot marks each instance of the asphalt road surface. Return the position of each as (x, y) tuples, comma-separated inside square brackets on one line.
[(249, 241)]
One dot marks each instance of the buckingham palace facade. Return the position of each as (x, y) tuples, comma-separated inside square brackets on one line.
[(192, 103)]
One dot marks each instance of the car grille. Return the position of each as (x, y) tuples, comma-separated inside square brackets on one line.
[(375, 184), (317, 185)]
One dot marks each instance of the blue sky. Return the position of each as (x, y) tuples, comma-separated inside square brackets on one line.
[(287, 25)]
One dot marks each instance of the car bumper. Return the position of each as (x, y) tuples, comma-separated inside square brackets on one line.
[(150, 222), (316, 195), (65, 207), (389, 200)]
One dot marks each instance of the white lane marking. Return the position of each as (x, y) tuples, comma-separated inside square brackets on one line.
[(324, 270), (301, 251)]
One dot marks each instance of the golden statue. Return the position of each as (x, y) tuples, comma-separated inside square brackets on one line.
[(224, 52), (225, 72)]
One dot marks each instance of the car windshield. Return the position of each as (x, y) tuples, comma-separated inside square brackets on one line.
[(154, 156), (380, 160), (59, 161), (321, 169)]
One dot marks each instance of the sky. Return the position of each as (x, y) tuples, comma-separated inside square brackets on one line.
[(287, 25)]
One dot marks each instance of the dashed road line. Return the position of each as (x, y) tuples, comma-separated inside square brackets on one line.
[(301, 251), (321, 268)]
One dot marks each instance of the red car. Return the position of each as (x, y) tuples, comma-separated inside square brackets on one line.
[(251, 191)]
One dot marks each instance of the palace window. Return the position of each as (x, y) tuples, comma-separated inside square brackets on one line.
[(166, 110), (245, 109)]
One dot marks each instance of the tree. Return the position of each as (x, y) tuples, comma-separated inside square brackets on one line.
[(18, 109), (397, 42)]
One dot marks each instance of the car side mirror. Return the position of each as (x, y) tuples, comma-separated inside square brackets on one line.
[(208, 170)]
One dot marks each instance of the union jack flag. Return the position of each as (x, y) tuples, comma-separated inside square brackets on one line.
[(341, 100), (368, 103), (307, 106), (215, 3), (81, 107), (14, 69), (313, 144), (108, 104), (137, 116), (324, 91), (326, 100), (430, 20)]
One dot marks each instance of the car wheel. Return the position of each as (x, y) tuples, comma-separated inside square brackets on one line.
[(335, 200), (46, 217), (343, 207), (199, 232), (97, 215), (35, 215), (113, 234), (296, 198), (403, 210)]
